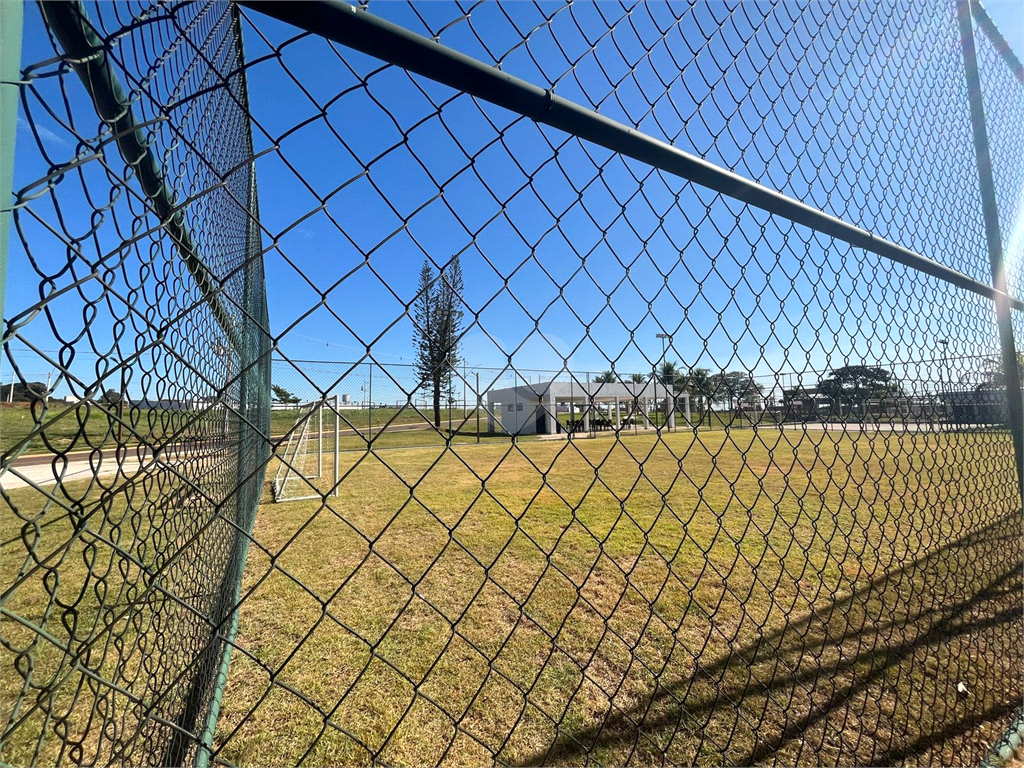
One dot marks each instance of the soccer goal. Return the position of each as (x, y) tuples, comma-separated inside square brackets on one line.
[(301, 462)]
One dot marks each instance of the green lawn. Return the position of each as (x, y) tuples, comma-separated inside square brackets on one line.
[(749, 596)]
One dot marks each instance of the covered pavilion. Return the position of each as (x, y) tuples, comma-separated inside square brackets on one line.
[(532, 409)]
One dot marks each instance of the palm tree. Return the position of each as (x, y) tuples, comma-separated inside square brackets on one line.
[(700, 385), (606, 377), (669, 374), (637, 378)]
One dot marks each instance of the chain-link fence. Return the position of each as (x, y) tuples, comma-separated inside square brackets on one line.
[(131, 475), (681, 417)]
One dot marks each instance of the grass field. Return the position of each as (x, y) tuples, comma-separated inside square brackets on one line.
[(749, 597)]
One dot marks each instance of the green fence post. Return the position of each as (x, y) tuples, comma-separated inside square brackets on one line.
[(993, 237), (10, 75)]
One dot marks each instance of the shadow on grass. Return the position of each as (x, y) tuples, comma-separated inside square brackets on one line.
[(869, 676)]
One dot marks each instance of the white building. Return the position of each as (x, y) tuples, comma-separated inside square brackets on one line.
[(532, 408)]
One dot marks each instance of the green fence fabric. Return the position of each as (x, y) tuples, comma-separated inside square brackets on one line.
[(504, 383), (151, 315)]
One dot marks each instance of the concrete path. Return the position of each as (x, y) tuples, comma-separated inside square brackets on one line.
[(40, 469), (43, 474)]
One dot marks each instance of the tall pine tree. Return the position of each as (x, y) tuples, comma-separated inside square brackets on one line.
[(450, 305), (437, 315)]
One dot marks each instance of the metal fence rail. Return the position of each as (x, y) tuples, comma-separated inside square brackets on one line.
[(672, 409)]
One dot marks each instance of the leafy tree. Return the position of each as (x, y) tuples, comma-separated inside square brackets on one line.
[(799, 402), (994, 376), (637, 378), (606, 377), (798, 392), (451, 327), (736, 387), (437, 319), (24, 392), (854, 385), (746, 390), (699, 383), (425, 341), (282, 395), (111, 397), (671, 377), (797, 396)]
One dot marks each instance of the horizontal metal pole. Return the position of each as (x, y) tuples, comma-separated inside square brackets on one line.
[(87, 55), (357, 29)]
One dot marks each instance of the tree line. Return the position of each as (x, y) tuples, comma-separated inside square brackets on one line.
[(733, 387)]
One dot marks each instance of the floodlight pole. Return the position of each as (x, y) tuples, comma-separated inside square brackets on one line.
[(942, 384), (664, 348), (665, 337), (337, 447)]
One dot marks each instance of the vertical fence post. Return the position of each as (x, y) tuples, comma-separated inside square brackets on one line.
[(10, 59), (993, 237), (478, 406)]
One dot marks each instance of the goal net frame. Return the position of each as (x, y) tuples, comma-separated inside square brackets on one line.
[(297, 454)]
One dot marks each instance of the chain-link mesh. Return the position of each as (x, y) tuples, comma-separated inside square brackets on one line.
[(625, 470), (131, 473)]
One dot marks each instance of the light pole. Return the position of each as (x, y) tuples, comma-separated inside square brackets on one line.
[(664, 353), (942, 384), (664, 349), (222, 350)]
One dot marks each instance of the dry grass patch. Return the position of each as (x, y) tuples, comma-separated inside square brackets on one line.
[(746, 597)]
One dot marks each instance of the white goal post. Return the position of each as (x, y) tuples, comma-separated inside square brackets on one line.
[(300, 470)]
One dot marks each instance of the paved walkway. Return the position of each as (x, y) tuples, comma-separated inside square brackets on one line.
[(43, 474), (39, 468)]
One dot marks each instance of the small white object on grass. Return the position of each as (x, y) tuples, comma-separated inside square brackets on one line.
[(961, 689)]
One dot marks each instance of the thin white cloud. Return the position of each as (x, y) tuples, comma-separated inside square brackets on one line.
[(44, 133)]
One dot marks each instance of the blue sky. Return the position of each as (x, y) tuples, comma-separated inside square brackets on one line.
[(390, 169), (1009, 17)]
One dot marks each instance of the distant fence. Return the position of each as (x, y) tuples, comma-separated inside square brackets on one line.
[(390, 406)]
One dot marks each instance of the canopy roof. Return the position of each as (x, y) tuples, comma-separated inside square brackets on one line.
[(583, 392)]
